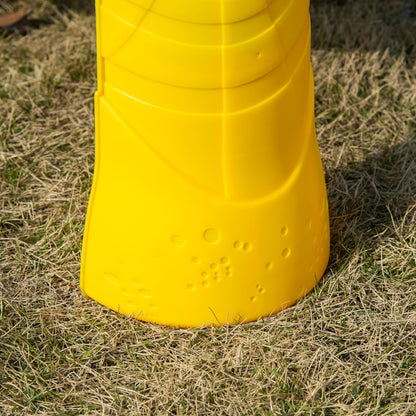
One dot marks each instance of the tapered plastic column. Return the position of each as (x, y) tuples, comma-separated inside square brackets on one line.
[(209, 203)]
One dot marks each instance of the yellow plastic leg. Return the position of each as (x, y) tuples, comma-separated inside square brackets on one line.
[(209, 203)]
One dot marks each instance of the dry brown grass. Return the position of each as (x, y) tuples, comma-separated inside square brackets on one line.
[(347, 348)]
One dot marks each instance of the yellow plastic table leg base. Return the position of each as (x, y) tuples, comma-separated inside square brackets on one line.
[(209, 203)]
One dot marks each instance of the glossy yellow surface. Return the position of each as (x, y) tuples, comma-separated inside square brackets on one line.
[(209, 202)]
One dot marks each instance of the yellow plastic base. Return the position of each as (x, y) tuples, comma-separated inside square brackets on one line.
[(209, 203)]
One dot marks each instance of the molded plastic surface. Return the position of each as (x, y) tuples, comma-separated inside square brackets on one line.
[(209, 202)]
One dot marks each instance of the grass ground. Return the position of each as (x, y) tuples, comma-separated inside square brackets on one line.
[(348, 348)]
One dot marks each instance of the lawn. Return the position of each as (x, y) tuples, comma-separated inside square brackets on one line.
[(348, 348)]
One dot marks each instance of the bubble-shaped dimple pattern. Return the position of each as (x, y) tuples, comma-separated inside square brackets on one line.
[(130, 304), (212, 270), (225, 261), (212, 236), (260, 289), (216, 271), (129, 290), (112, 279), (132, 296), (242, 245), (195, 260), (124, 292), (247, 247), (178, 241), (144, 292), (238, 245), (136, 283)]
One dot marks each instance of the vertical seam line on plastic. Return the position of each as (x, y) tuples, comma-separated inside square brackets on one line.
[(224, 100)]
